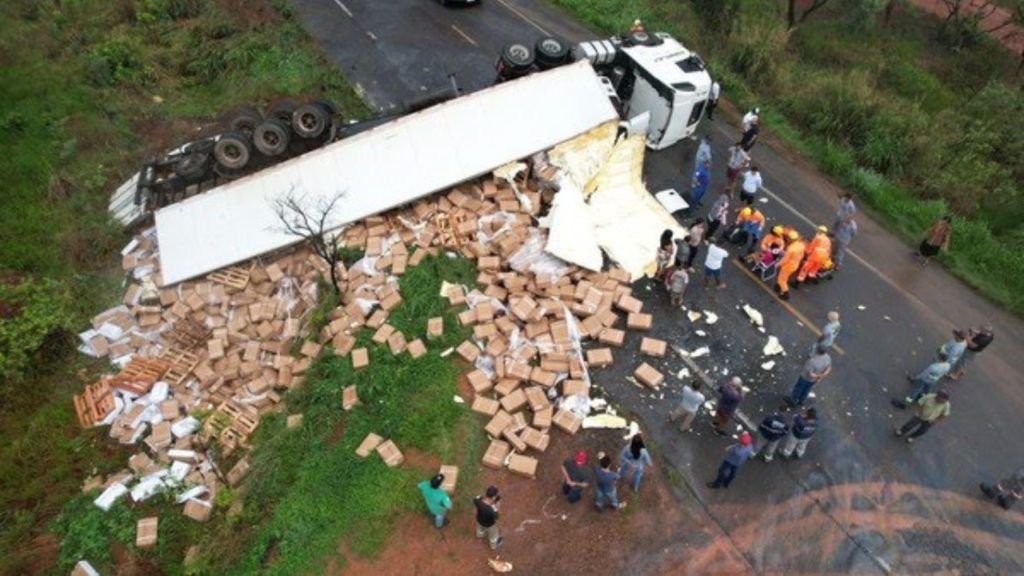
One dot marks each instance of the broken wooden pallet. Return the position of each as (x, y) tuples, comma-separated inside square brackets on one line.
[(94, 404), (188, 334), (181, 361), (233, 277), (139, 375)]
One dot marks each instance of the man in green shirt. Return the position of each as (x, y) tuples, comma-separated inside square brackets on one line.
[(437, 499), (929, 408)]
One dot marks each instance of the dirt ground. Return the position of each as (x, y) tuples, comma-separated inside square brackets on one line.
[(656, 534)]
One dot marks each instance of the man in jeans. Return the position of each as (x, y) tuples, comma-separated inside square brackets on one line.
[(804, 427), (816, 368), (930, 409), (688, 407), (606, 479), (925, 381), (735, 456), (772, 430), (438, 502), (730, 395), (574, 476), (487, 516)]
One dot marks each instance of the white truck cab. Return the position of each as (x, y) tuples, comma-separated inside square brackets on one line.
[(656, 74)]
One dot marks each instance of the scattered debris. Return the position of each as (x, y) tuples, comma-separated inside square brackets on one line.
[(693, 316), (700, 333), (768, 365), (604, 421), (710, 317), (755, 316), (500, 566), (773, 347), (861, 307), (702, 351)]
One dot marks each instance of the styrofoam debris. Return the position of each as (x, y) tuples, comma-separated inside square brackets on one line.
[(760, 329), (194, 492), (768, 365), (634, 429), (693, 316), (458, 399), (179, 470), (604, 421), (702, 351), (700, 333), (598, 404), (710, 317), (183, 455), (149, 486), (684, 373), (887, 319), (746, 389), (185, 427), (861, 307), (755, 316), (112, 494), (773, 347), (763, 199), (709, 405), (447, 352), (85, 568)]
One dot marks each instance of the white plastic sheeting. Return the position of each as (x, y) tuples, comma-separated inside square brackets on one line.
[(385, 167)]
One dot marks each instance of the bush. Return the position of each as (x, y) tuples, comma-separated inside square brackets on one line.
[(33, 312), (893, 138), (757, 44), (840, 107), (153, 11), (86, 532), (117, 62)]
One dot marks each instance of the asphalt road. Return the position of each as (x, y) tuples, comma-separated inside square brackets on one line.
[(860, 500)]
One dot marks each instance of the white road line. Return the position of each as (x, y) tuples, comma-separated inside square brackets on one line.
[(344, 8), (524, 17), (464, 35)]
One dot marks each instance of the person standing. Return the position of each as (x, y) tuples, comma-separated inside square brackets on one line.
[(750, 118), (574, 477), (843, 233), (791, 259), (664, 255), (829, 332), (955, 349), (1007, 491), (703, 152), (438, 502), (845, 211), (701, 180), (935, 238), (930, 409), (771, 431), (718, 214), (925, 381), (730, 395), (739, 160), (677, 280), (606, 479), (713, 94), (819, 251), (688, 407), (487, 516), (804, 427), (815, 369), (695, 238), (713, 263), (682, 250), (751, 131), (977, 340), (633, 459), (735, 456), (752, 183)]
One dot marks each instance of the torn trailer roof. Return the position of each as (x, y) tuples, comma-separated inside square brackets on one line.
[(383, 168)]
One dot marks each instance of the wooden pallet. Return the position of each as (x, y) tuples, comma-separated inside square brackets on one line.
[(446, 235), (182, 362), (139, 375), (233, 277), (187, 334), (94, 404)]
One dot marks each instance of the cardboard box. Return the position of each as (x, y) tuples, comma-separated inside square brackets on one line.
[(567, 421), (513, 439), (639, 321), (435, 327), (391, 302), (310, 349), (485, 406), (513, 401), (375, 321), (383, 333), (494, 456), (498, 423), (484, 312), (416, 348), (467, 317), (369, 444), (542, 377), (468, 351), (523, 465), (451, 477), (542, 418), (349, 397), (293, 421), (198, 510), (523, 308), (489, 263), (612, 337), (456, 295), (360, 358), (506, 386), (517, 370), (629, 304), (485, 331), (390, 453), (535, 439), (146, 532), (571, 387), (480, 381), (537, 399), (647, 375), (653, 347), (396, 342)]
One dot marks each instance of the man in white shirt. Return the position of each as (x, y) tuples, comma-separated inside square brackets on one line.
[(752, 183), (688, 407), (713, 263), (751, 118), (738, 162), (713, 94)]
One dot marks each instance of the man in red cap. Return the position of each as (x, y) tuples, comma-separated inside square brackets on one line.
[(735, 456), (574, 476)]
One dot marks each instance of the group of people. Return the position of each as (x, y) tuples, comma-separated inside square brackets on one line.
[(634, 459), (439, 504)]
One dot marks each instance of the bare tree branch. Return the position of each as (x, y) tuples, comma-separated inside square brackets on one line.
[(314, 225)]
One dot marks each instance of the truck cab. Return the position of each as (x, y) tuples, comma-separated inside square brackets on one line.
[(656, 74)]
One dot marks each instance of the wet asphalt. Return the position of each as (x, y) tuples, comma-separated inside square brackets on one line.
[(860, 500)]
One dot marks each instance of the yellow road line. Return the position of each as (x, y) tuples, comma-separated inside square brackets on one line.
[(792, 309), (464, 35), (524, 17)]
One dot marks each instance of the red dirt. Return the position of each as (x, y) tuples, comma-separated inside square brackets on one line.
[(1011, 36), (653, 535)]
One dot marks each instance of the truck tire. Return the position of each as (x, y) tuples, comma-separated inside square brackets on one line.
[(272, 137), (310, 121), (232, 150), (550, 53), (328, 107), (191, 165), (204, 146), (283, 111), (245, 121), (517, 56)]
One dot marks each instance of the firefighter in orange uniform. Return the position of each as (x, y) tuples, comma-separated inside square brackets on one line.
[(819, 251), (773, 243), (790, 262)]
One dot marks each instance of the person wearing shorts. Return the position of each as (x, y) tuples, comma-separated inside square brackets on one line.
[(713, 263)]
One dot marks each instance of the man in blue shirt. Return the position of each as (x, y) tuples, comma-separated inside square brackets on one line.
[(925, 381), (606, 479), (701, 180), (772, 430), (804, 427), (735, 456)]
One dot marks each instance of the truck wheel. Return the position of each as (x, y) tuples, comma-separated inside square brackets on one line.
[(550, 52), (191, 165), (272, 137), (232, 150), (517, 55), (283, 111), (309, 121), (245, 121), (204, 146), (328, 107)]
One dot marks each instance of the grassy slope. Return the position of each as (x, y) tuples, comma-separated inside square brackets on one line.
[(906, 72), (63, 117)]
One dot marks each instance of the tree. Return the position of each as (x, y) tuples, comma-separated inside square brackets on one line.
[(316, 224), (792, 19)]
